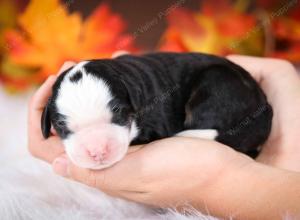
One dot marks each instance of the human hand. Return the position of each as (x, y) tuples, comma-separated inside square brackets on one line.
[(141, 177), (154, 173), (281, 83), (164, 173), (146, 171)]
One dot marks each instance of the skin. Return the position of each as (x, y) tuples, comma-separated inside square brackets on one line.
[(208, 175)]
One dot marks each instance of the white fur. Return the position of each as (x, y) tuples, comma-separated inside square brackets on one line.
[(85, 105), (134, 131), (78, 67), (77, 155), (85, 101), (209, 134)]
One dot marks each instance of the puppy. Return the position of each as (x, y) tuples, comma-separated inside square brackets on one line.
[(100, 107)]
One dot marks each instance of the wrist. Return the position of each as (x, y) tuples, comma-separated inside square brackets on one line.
[(255, 191), (281, 159)]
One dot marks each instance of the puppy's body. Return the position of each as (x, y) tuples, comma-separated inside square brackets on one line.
[(177, 92), (160, 95)]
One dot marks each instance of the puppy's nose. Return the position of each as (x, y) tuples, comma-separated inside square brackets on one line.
[(98, 154)]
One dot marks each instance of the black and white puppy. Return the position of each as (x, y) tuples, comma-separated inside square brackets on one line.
[(100, 107)]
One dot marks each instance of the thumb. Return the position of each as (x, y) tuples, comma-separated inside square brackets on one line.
[(64, 167)]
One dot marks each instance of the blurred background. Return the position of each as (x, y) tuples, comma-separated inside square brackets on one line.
[(36, 37)]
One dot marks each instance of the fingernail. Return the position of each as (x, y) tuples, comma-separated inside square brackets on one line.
[(60, 166)]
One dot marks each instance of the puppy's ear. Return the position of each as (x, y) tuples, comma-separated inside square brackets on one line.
[(134, 95), (46, 120)]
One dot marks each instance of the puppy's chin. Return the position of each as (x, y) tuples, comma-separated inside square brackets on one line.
[(81, 158), (85, 161)]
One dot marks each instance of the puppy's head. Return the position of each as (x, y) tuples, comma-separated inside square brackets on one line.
[(91, 111)]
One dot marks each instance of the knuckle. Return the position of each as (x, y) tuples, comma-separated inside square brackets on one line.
[(86, 177)]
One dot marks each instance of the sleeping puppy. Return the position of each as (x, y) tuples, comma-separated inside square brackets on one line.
[(100, 107)]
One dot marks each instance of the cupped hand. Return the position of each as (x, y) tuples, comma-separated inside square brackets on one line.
[(176, 166), (163, 173), (177, 170)]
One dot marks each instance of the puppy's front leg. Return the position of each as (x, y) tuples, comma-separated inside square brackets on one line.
[(209, 134)]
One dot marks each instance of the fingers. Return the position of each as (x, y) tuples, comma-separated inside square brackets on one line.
[(100, 179), (36, 105), (60, 165), (252, 64), (63, 167), (257, 64), (118, 180), (278, 78), (261, 68), (119, 53), (143, 175), (46, 150), (118, 177), (133, 172)]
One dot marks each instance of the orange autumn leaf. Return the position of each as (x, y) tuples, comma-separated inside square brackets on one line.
[(221, 27), (213, 29), (49, 35), (100, 24), (172, 41), (235, 25), (185, 30)]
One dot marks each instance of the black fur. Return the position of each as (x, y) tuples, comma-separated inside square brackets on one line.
[(76, 77), (168, 92)]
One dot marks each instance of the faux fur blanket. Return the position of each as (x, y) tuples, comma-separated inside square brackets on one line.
[(30, 190)]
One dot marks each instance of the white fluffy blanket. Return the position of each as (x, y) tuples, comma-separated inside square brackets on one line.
[(30, 190)]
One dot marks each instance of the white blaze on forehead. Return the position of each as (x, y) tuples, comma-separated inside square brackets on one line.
[(85, 101), (76, 68)]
